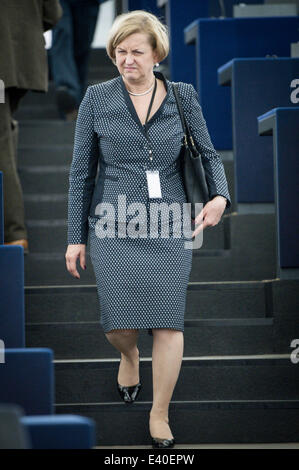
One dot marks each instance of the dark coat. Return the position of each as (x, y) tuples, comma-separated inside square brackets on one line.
[(23, 57)]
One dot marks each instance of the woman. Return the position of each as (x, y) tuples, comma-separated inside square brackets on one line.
[(130, 126)]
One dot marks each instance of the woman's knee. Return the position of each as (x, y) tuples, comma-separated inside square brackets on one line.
[(123, 333), (166, 333)]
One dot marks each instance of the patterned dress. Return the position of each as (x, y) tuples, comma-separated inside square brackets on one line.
[(142, 269)]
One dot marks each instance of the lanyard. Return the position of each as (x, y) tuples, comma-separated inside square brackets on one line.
[(145, 125)]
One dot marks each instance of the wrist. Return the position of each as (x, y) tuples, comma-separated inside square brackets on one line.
[(221, 197)]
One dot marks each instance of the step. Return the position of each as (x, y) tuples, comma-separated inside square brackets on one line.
[(48, 268), (53, 154), (99, 70), (202, 337), (41, 111), (40, 235), (258, 421), (40, 232), (248, 253), (42, 269), (43, 154), (42, 207), (36, 131), (43, 105), (204, 300), (44, 179), (201, 378)]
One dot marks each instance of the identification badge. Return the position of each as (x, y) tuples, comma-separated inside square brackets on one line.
[(153, 183)]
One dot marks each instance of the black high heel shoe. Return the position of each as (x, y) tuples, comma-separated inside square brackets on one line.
[(162, 443), (158, 443), (128, 394)]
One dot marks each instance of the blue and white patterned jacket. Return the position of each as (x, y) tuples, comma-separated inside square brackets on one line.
[(111, 151)]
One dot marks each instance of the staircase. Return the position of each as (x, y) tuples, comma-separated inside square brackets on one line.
[(237, 384)]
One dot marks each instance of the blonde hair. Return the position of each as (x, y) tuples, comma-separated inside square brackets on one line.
[(138, 21)]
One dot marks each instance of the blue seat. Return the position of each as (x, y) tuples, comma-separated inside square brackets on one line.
[(28, 378), (219, 40), (148, 5), (44, 432), (178, 15), (257, 85), (283, 124), (27, 381), (216, 11), (12, 318), (60, 431)]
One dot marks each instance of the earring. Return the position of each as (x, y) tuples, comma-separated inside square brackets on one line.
[(157, 64)]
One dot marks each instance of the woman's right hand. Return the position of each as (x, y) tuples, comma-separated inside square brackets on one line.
[(71, 255)]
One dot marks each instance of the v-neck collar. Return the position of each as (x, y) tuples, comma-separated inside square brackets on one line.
[(131, 106)]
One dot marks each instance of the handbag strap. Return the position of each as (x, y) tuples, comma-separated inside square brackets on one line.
[(179, 105), (182, 116)]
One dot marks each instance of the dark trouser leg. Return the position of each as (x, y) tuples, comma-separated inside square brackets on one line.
[(85, 15), (14, 219), (61, 55)]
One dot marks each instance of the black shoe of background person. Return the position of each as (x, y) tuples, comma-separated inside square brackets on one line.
[(66, 104)]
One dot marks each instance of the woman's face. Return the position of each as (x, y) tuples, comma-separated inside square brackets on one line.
[(135, 57)]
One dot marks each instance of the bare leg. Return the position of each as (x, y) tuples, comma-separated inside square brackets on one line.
[(168, 347), (125, 341)]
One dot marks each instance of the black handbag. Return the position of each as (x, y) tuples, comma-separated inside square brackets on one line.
[(193, 172)]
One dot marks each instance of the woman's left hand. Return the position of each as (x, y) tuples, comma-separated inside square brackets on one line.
[(210, 214)]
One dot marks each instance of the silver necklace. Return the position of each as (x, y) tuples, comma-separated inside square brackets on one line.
[(145, 92)]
